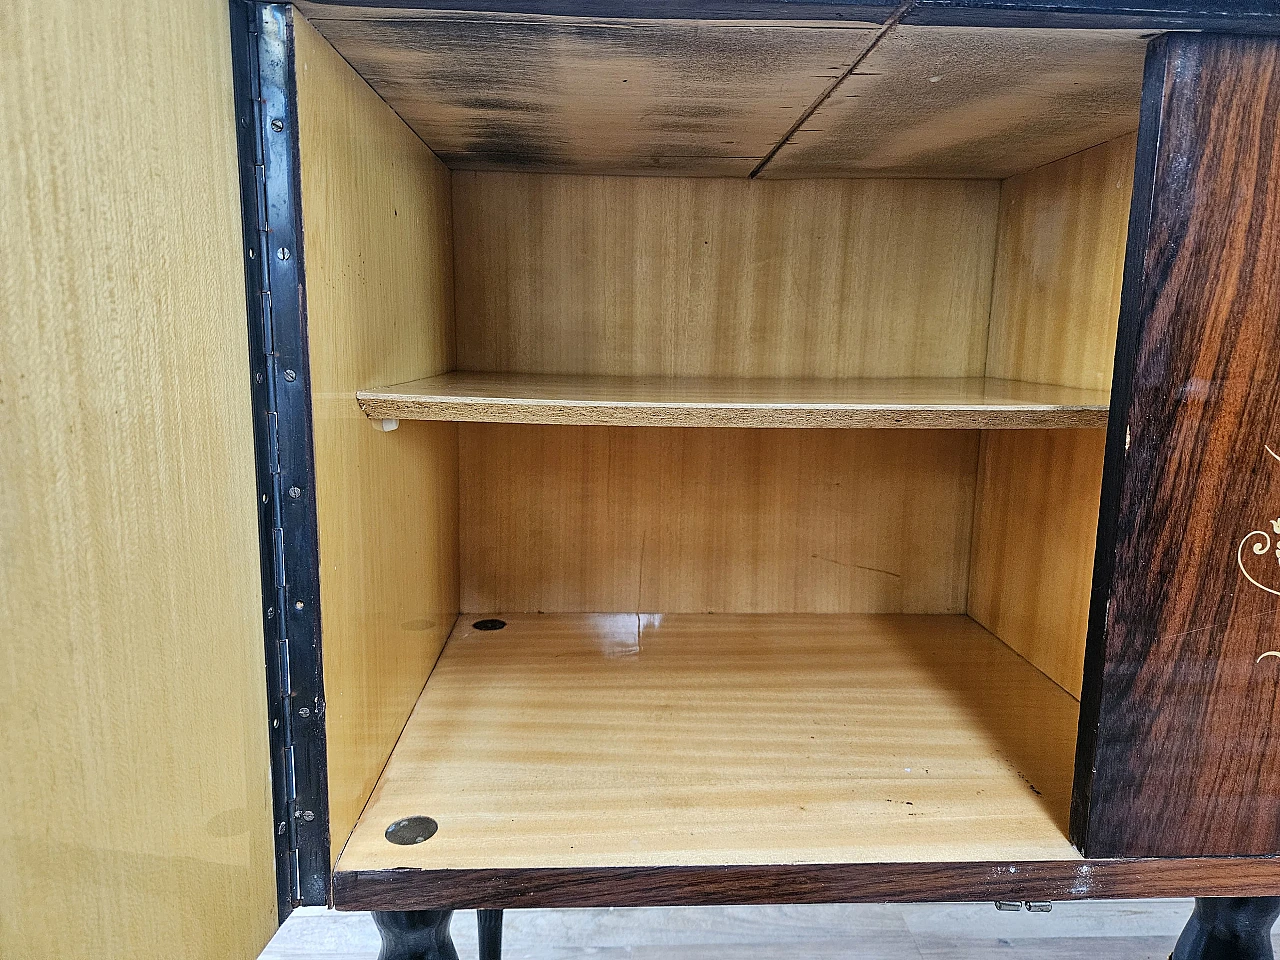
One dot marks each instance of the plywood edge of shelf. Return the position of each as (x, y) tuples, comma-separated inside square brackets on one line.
[(1048, 880), (908, 403)]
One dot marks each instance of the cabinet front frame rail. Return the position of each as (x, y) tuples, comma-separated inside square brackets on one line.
[(677, 886)]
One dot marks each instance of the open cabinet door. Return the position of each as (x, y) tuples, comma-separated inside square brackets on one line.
[(135, 796), (1176, 753)]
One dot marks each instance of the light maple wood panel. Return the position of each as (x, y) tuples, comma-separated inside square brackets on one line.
[(1055, 300), (638, 518), (376, 217), (971, 102), (722, 402), (588, 94), (1034, 526), (1055, 306), (135, 803), (688, 277), (657, 740)]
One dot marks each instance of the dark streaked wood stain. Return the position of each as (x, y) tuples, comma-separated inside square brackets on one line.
[(714, 97), (587, 95), (1179, 715), (802, 883)]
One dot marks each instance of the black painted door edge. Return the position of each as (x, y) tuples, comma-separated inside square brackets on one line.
[(279, 380)]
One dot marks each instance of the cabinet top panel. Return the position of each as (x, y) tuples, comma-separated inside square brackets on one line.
[(931, 88)]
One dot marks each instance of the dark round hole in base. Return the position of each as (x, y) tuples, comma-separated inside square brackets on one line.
[(489, 624), (412, 830)]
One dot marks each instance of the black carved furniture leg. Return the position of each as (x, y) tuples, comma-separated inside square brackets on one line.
[(1229, 928), (415, 934), (489, 926)]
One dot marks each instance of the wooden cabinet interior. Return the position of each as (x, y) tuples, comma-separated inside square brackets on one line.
[(379, 307), (577, 326), (703, 739)]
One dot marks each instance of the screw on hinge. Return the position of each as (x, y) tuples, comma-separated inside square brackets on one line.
[(290, 376), (304, 712), (283, 253), (295, 492), (277, 125), (308, 816)]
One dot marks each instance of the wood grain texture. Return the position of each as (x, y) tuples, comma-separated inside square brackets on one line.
[(1055, 305), (1185, 759), (1258, 16), (376, 218), (722, 402), (1055, 300), (704, 740), (135, 804), (1034, 525), (594, 95), (1052, 880), (966, 102), (689, 521), (653, 277)]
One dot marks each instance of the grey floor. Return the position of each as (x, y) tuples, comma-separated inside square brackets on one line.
[(1129, 929)]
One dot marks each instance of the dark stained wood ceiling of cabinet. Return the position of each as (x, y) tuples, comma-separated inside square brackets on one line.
[(733, 98)]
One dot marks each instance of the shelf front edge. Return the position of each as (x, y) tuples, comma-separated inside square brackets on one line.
[(388, 406)]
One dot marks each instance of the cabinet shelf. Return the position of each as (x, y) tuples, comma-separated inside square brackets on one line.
[(964, 403), (695, 740)]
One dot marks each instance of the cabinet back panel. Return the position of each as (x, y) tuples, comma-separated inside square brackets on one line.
[(1055, 306), (700, 277), (379, 310), (601, 519)]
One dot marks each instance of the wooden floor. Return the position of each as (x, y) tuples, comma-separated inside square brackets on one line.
[(693, 739), (1114, 930)]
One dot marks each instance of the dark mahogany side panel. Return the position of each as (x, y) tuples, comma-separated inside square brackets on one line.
[(1179, 750), (815, 883)]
